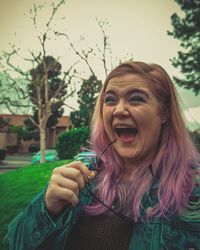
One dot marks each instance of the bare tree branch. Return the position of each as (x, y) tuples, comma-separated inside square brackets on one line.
[(105, 45), (42, 42), (34, 123), (8, 56), (84, 57), (55, 9), (69, 106), (33, 15)]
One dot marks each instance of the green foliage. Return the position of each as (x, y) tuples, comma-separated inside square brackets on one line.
[(187, 30), (3, 123), (70, 142), (81, 117), (87, 96), (16, 129), (53, 68), (37, 89), (19, 130), (2, 154), (32, 131), (196, 138), (12, 148), (23, 133), (18, 188), (33, 148)]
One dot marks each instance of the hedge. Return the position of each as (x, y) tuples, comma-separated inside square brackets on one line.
[(33, 148), (196, 138), (2, 154), (12, 148), (70, 142)]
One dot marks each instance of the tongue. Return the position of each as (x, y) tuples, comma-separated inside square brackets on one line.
[(127, 135)]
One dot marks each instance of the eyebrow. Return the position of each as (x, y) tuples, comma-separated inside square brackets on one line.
[(132, 91)]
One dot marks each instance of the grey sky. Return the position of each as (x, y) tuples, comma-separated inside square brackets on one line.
[(137, 28)]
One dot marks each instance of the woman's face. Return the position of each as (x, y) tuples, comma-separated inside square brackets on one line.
[(131, 115)]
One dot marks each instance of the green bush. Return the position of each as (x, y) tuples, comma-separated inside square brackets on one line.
[(70, 142), (2, 154), (33, 148), (12, 148), (196, 138)]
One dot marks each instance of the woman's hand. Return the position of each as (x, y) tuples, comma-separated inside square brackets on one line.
[(64, 186)]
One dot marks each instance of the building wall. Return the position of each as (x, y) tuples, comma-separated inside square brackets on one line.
[(25, 145), (11, 139), (2, 139), (7, 138)]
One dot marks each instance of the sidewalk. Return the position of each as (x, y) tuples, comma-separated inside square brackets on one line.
[(15, 161)]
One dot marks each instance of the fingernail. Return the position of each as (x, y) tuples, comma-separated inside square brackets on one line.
[(91, 175)]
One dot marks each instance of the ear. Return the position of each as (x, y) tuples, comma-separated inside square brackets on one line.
[(164, 120), (165, 117)]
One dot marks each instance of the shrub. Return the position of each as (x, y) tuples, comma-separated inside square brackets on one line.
[(33, 148), (12, 148), (196, 138), (2, 154), (70, 142)]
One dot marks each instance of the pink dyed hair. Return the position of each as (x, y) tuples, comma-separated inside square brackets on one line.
[(173, 162)]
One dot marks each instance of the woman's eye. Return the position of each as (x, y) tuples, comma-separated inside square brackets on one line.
[(110, 99), (137, 98)]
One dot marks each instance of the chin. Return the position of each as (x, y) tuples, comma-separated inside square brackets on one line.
[(126, 155)]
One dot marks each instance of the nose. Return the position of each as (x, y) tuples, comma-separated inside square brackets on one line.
[(121, 109)]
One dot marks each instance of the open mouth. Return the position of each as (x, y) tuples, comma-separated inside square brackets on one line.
[(126, 133)]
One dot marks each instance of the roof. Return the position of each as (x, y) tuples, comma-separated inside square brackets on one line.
[(63, 121), (18, 120)]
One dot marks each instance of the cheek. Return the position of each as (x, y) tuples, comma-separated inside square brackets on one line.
[(107, 112), (106, 118), (149, 122)]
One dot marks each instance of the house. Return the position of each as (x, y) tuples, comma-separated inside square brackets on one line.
[(7, 138)]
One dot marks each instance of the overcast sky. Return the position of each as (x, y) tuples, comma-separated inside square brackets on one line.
[(136, 28)]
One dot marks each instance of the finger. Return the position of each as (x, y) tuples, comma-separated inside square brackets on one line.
[(73, 174), (64, 194), (69, 184), (79, 165)]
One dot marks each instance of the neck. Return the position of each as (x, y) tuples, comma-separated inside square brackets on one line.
[(131, 166)]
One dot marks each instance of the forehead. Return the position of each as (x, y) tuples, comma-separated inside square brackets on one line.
[(129, 81)]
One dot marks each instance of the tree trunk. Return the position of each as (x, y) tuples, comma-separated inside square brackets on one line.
[(42, 143)]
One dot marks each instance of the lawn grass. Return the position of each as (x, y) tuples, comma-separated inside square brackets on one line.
[(17, 189)]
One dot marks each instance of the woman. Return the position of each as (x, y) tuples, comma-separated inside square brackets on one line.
[(140, 187)]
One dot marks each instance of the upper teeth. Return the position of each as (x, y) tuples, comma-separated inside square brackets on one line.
[(122, 127)]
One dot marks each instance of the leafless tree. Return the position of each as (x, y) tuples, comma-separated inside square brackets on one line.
[(14, 92)]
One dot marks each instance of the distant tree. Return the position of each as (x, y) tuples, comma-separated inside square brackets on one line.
[(86, 98), (42, 95), (20, 132), (187, 30), (40, 87)]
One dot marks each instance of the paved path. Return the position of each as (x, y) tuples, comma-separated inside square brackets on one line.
[(15, 161)]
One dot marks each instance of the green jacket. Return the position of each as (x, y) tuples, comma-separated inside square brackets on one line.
[(36, 229)]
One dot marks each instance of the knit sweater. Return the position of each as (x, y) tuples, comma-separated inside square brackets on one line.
[(102, 232)]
